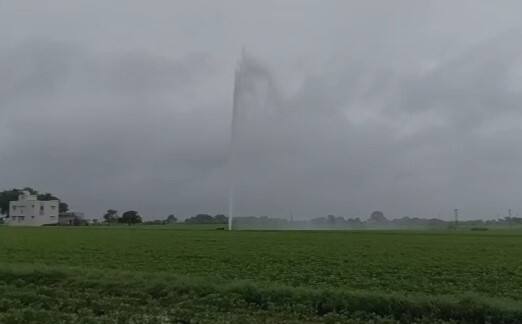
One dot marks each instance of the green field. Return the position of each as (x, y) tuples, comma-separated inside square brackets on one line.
[(176, 274)]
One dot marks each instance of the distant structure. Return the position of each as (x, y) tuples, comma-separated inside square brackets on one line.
[(72, 219), (456, 214), (29, 211)]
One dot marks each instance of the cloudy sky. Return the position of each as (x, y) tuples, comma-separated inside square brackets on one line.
[(409, 107)]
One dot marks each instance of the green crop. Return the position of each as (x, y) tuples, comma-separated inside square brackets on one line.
[(169, 275)]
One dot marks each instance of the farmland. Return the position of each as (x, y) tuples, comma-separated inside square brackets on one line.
[(175, 274)]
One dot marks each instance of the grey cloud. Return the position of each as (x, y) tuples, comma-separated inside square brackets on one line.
[(420, 151), (102, 124), (408, 108)]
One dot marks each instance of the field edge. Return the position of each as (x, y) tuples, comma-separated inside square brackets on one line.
[(60, 290)]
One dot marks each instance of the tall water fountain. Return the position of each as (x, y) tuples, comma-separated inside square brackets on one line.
[(254, 104)]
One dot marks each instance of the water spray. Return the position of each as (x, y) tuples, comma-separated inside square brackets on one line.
[(232, 161)]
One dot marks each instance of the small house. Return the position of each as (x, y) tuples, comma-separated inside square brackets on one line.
[(29, 211)]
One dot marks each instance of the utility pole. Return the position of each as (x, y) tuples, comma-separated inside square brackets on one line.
[(456, 211)]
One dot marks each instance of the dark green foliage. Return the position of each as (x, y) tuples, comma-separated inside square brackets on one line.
[(221, 219), (377, 217), (171, 219), (207, 219), (111, 216), (70, 295), (121, 274), (6, 197), (427, 262), (47, 196), (130, 217)]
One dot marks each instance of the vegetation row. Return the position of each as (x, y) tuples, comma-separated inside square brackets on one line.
[(72, 295)]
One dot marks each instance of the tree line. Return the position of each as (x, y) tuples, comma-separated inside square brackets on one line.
[(133, 217), (129, 217)]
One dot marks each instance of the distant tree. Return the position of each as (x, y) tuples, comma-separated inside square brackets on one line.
[(354, 221), (262, 221), (155, 222), (377, 217), (200, 219), (207, 219), (331, 219), (221, 219), (64, 207), (111, 216), (6, 197), (130, 217), (339, 220), (319, 221), (512, 220), (78, 221), (171, 219)]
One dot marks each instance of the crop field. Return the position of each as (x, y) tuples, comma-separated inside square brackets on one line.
[(178, 275)]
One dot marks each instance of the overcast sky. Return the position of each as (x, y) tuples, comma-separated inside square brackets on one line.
[(409, 107)]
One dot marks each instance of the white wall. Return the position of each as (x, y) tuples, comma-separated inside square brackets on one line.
[(29, 212)]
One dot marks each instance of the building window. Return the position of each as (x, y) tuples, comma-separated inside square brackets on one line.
[(41, 210), (14, 207)]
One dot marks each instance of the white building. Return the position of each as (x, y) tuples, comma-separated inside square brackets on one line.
[(29, 211)]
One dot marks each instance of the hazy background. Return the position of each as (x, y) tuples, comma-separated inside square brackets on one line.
[(409, 107)]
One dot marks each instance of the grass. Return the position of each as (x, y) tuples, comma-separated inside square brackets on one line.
[(258, 276)]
